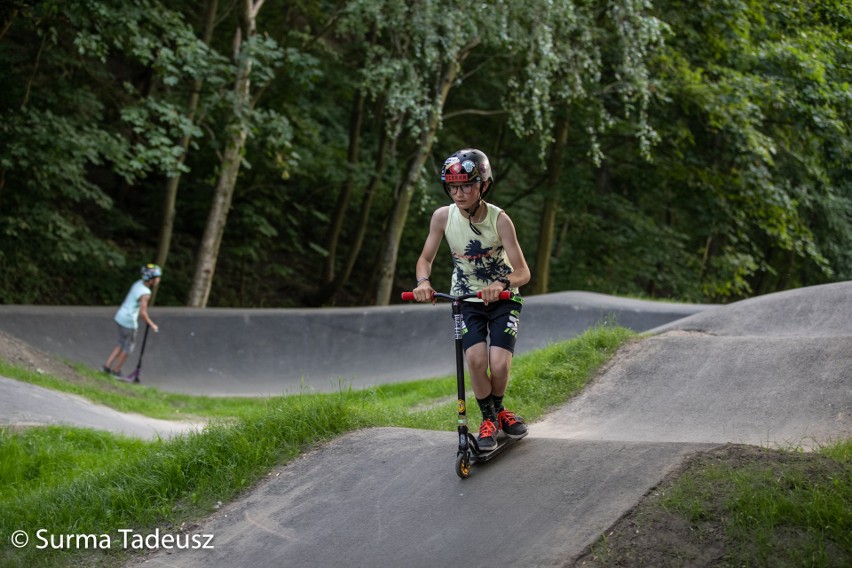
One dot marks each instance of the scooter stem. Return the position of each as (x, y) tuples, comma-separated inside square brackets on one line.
[(462, 405)]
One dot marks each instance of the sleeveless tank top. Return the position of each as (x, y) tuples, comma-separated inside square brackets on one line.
[(477, 259)]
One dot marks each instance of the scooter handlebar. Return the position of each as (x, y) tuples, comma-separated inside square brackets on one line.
[(504, 295)]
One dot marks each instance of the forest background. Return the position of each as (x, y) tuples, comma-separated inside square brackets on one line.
[(273, 153)]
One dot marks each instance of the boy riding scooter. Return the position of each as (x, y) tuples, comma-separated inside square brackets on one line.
[(487, 259)]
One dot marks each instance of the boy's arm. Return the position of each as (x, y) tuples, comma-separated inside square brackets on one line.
[(143, 312), (520, 270), (423, 290)]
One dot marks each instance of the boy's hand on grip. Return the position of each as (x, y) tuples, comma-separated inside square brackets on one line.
[(424, 292), (491, 293)]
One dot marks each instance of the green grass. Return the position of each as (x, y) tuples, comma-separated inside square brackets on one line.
[(780, 508), (36, 458), (71, 481), (740, 506)]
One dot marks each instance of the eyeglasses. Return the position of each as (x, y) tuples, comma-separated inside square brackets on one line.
[(465, 189)]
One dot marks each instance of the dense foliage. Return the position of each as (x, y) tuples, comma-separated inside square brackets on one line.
[(696, 150)]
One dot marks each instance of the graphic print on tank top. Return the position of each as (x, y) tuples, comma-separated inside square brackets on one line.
[(478, 267), (478, 259)]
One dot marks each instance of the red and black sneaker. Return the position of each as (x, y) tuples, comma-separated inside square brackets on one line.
[(512, 424), (487, 439)]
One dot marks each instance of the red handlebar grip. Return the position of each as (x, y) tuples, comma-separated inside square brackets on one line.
[(504, 295), (408, 296)]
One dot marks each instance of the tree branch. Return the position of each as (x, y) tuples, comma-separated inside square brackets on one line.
[(8, 24), (475, 111), (255, 8), (32, 76)]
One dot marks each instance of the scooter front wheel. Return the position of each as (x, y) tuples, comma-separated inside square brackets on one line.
[(463, 465)]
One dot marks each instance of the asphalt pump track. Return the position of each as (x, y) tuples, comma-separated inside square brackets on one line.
[(773, 371)]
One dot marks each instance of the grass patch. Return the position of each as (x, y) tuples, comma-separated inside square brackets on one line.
[(776, 508), (741, 506), (77, 482), (36, 459)]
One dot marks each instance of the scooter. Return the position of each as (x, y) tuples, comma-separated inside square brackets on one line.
[(469, 451), (133, 377)]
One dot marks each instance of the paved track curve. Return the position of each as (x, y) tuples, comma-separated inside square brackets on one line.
[(258, 352), (23, 404)]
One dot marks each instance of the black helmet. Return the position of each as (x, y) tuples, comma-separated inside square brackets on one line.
[(466, 166)]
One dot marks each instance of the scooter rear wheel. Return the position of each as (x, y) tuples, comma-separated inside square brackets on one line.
[(463, 465)]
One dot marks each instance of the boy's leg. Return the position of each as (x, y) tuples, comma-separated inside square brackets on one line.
[(112, 357), (474, 338), (504, 333), (490, 367), (126, 344), (503, 322), (122, 357), (500, 363), (477, 364)]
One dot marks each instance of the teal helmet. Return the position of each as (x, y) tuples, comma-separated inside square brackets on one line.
[(151, 271)]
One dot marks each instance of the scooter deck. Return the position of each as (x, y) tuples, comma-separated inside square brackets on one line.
[(131, 378), (503, 443)]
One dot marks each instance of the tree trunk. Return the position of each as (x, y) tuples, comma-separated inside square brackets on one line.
[(237, 132), (331, 289), (550, 209), (406, 192), (336, 227), (169, 212)]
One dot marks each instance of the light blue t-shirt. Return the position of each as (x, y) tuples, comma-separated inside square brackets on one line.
[(128, 314)]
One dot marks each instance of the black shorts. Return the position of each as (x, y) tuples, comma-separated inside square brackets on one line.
[(497, 322)]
